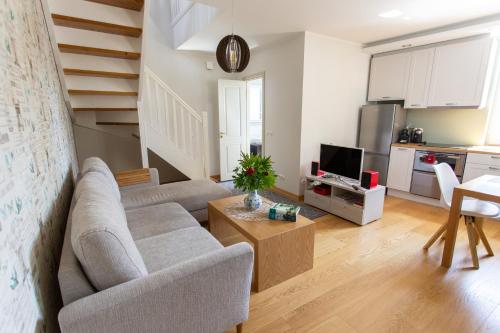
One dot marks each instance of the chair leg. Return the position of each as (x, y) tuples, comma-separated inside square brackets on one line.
[(239, 328), (480, 231), (441, 230), (472, 241)]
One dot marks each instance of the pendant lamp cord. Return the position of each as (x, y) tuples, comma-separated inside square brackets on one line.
[(232, 17)]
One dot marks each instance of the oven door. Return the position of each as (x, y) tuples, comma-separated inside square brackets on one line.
[(456, 161), (425, 184)]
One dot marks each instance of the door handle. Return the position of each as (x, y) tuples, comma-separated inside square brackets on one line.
[(451, 104), (221, 134), (493, 168), (495, 157)]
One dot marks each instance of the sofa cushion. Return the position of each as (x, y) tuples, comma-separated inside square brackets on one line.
[(95, 164), (155, 220), (165, 250), (94, 181), (102, 242), (191, 194)]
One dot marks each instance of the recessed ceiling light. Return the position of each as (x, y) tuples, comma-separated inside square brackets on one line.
[(391, 13), (407, 17)]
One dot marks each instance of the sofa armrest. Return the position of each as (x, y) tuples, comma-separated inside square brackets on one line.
[(210, 293), (138, 178)]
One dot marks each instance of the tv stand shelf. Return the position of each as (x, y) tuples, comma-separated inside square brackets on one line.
[(357, 205)]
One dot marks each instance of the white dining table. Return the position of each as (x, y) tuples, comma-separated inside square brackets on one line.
[(485, 188)]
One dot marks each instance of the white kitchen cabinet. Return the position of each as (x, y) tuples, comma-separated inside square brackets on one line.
[(389, 77), (459, 73), (400, 168), (478, 165), (419, 79)]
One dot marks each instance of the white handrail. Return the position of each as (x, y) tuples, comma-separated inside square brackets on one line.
[(173, 129)]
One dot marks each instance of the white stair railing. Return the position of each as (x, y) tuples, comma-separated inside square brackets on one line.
[(172, 129)]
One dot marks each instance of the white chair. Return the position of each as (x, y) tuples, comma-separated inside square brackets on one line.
[(473, 210)]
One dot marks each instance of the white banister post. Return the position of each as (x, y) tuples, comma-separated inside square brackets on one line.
[(206, 158), (142, 135)]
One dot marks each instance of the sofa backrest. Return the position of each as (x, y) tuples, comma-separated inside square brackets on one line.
[(100, 237), (72, 280), (95, 164)]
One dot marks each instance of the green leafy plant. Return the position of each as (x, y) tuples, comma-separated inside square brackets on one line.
[(254, 172)]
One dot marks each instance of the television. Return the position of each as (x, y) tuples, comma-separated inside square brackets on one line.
[(341, 161)]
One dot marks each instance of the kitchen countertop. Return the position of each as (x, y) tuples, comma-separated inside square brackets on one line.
[(472, 149)]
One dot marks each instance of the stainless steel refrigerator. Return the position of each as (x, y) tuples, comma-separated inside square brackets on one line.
[(379, 127)]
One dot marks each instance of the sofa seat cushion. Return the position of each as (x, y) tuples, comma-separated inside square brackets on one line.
[(151, 221), (191, 194), (102, 241), (165, 250)]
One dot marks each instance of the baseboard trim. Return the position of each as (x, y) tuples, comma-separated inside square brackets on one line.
[(413, 197), (287, 194)]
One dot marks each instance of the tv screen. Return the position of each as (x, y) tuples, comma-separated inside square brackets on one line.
[(341, 161)]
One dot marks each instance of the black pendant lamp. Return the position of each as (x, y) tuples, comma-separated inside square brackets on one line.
[(233, 53)]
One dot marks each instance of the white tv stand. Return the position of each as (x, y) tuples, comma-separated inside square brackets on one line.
[(360, 205)]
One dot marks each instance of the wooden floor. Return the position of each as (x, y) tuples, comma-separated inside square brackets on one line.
[(377, 278)]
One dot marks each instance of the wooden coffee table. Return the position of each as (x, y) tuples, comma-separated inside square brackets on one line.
[(282, 249)]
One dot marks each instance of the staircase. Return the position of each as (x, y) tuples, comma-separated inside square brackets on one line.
[(172, 129), (100, 49), (99, 44)]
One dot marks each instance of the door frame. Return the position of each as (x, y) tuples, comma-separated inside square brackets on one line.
[(253, 77)]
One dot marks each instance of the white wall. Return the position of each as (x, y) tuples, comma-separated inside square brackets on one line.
[(335, 86), (283, 65), (184, 71)]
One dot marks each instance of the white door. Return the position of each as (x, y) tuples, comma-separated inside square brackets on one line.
[(400, 168), (389, 77), (232, 125), (420, 78), (459, 73)]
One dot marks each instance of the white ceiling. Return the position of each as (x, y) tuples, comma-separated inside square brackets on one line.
[(264, 21)]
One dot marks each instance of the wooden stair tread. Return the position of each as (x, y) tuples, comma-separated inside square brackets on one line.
[(116, 123), (101, 92), (87, 72), (104, 109), (110, 28), (127, 4), (78, 49)]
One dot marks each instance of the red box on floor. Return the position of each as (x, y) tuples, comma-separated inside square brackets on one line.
[(369, 179)]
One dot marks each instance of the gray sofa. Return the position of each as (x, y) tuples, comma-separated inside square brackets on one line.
[(149, 268)]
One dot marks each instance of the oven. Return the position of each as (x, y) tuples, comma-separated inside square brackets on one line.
[(424, 180)]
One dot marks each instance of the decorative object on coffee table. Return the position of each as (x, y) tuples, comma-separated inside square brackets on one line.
[(253, 173)]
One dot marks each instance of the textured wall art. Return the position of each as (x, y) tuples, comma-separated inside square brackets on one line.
[(37, 166)]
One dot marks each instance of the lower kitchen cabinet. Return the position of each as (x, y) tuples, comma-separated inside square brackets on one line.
[(400, 168), (478, 165)]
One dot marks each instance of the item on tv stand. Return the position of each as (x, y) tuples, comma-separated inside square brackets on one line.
[(322, 189), (369, 179), (315, 171)]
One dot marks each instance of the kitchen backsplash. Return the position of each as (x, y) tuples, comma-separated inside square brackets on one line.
[(455, 126)]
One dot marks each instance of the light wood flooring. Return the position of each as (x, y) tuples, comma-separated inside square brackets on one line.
[(377, 278)]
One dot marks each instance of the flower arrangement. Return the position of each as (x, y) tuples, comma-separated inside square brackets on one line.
[(253, 173)]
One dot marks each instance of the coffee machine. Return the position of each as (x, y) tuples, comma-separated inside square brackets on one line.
[(417, 135)]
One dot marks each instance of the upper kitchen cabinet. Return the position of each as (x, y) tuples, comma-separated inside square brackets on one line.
[(389, 77), (459, 74), (419, 79)]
